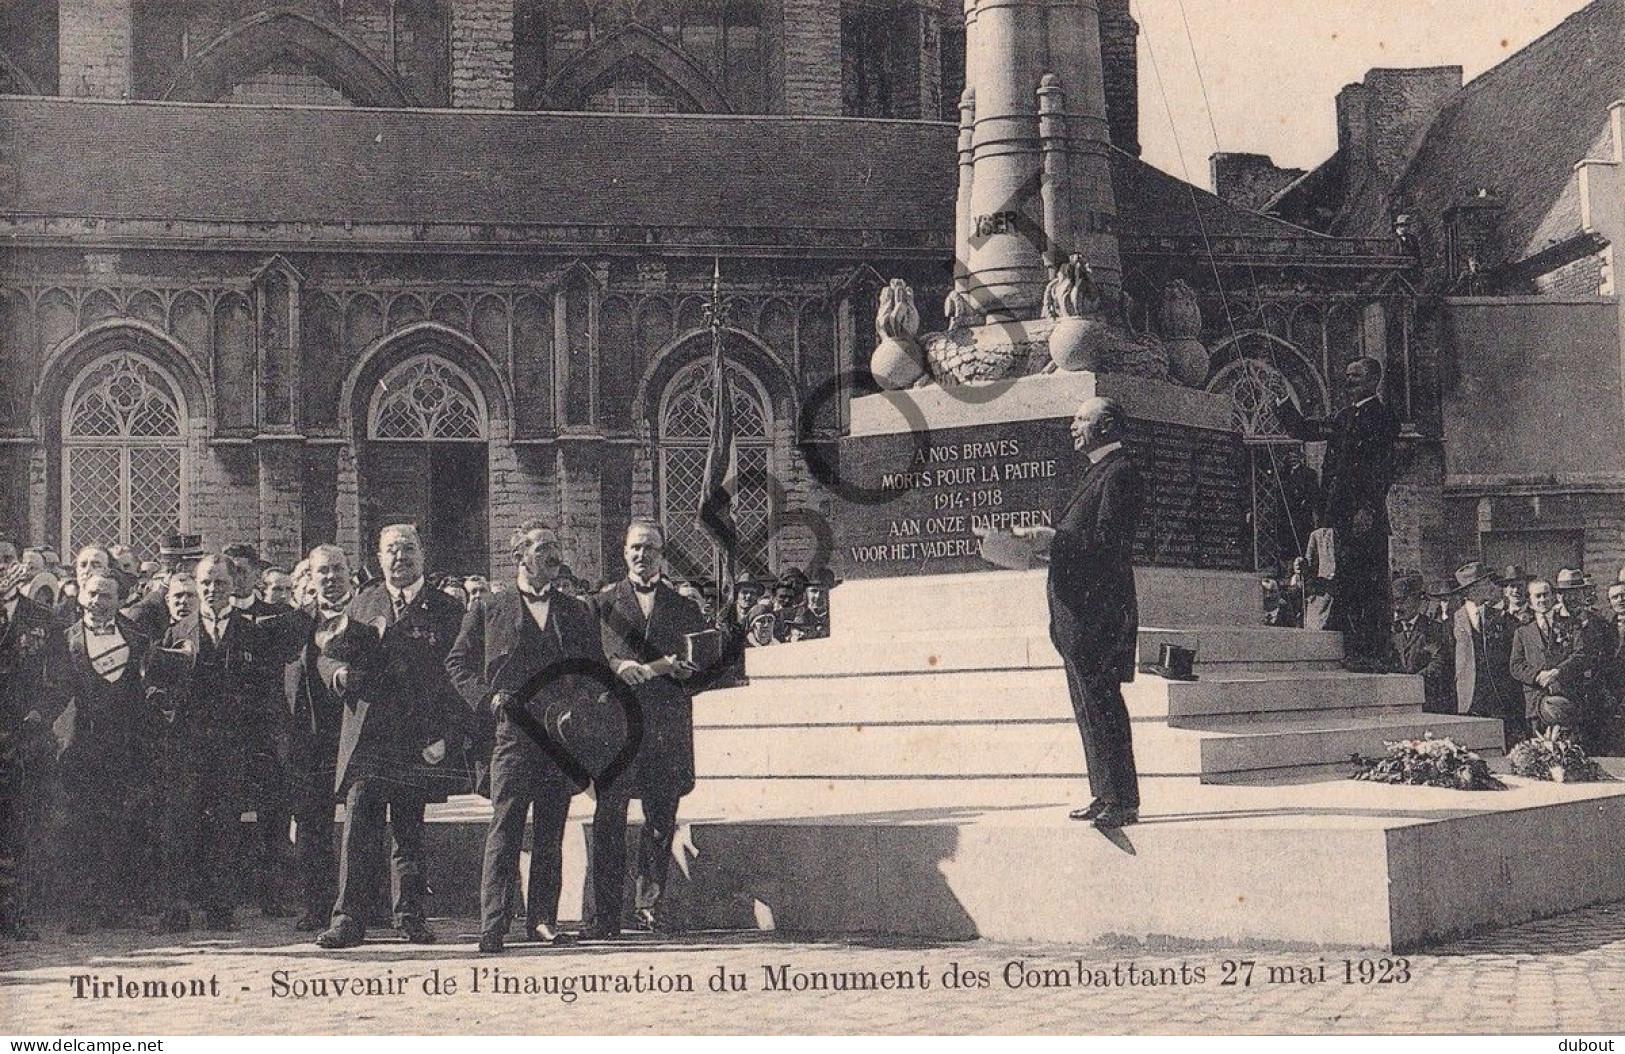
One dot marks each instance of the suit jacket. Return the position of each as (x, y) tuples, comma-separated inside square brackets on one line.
[(1094, 613), (559, 678), (1358, 467), (1579, 649), (404, 701), (216, 703), (150, 613), (100, 727), (1425, 648), (1484, 683), (663, 760), (22, 662)]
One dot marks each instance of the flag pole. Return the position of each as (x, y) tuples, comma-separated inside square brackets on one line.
[(720, 450)]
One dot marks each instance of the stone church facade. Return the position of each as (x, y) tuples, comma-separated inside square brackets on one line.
[(449, 260)]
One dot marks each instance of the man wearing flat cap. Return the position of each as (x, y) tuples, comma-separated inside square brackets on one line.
[(1420, 645), (1483, 650)]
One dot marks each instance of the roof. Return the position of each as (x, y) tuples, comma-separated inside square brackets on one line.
[(1518, 130), (255, 165)]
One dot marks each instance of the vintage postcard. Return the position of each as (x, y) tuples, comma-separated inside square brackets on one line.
[(793, 517)]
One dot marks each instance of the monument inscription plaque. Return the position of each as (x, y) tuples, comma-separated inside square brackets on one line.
[(932, 491)]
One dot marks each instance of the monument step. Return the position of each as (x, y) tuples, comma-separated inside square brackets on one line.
[(1017, 694), (987, 600), (1241, 865), (1050, 747), (1011, 647)]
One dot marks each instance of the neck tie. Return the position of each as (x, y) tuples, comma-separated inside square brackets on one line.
[(645, 590), (5, 619), (400, 605)]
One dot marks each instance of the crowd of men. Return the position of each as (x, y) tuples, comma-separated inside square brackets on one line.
[(1535, 652), (177, 736)]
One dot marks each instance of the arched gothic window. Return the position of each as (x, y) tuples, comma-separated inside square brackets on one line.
[(123, 455), (685, 434), (1254, 388), (427, 398)]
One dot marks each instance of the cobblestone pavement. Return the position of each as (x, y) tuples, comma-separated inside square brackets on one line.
[(1560, 975)]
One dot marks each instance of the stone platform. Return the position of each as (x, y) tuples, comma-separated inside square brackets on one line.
[(915, 783)]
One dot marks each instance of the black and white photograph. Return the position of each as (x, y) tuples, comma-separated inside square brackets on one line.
[(812, 517)]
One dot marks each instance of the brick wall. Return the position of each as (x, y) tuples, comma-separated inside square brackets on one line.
[(482, 54), (1249, 180), (523, 486), (225, 497), (812, 56), (93, 48), (581, 509), (1583, 277), (1120, 59), (281, 502)]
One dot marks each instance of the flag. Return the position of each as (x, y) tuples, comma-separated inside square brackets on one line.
[(719, 485)]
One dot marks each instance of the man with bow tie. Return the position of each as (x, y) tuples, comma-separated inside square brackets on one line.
[(27, 748), (402, 741), (1358, 470), (530, 662), (644, 621), (98, 705), (1420, 645), (211, 678), (307, 734)]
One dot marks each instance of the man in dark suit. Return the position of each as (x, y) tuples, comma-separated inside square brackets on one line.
[(27, 748), (525, 659), (308, 736), (90, 559), (1356, 474), (401, 743), (211, 677), (1482, 639), (644, 621), (1562, 662), (1514, 602), (99, 710), (1421, 645), (1094, 612)]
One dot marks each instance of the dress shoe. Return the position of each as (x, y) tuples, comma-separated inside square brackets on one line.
[(341, 935), (491, 943), (598, 931), (1088, 812), (175, 920), (545, 933), (222, 920), (416, 931), (311, 922), (1113, 816)]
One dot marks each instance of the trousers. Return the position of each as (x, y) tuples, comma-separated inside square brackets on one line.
[(1108, 743)]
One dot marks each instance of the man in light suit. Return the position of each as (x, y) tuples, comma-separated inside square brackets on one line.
[(1483, 647), (1094, 612), (644, 621), (530, 660)]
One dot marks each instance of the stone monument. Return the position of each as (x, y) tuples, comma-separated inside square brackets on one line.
[(971, 431)]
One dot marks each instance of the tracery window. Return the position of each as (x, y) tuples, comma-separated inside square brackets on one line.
[(123, 456), (685, 434), (427, 398)]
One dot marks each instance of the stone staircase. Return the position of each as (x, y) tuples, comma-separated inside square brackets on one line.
[(980, 695)]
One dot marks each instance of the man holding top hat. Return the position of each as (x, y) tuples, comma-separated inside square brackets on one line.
[(524, 662), (1563, 662), (1094, 613)]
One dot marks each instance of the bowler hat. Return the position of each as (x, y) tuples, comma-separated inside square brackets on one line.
[(1174, 662), (1572, 578), (824, 579), (1562, 711), (793, 577), (746, 580), (1470, 574), (1408, 584), (1511, 574)]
